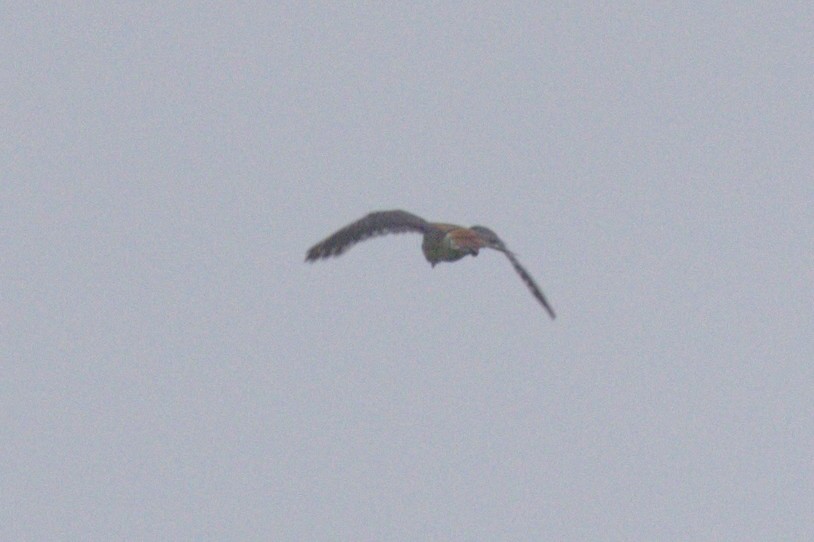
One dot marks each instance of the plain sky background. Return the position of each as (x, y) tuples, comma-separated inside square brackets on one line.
[(172, 369)]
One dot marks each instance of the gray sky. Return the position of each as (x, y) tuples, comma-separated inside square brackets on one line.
[(172, 369)]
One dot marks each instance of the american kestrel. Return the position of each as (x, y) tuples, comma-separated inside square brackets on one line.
[(442, 242)]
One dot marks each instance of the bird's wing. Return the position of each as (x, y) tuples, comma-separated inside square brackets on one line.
[(535, 290), (373, 225), (491, 240)]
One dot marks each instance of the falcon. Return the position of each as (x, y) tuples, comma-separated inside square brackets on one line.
[(442, 242)]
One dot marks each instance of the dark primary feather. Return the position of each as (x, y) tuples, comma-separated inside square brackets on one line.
[(535, 290), (374, 224), (496, 243)]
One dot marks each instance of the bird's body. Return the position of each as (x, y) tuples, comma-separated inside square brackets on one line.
[(449, 243), (441, 243)]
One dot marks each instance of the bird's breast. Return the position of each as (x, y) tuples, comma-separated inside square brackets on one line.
[(450, 246)]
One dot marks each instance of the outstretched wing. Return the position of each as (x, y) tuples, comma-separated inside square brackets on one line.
[(373, 225), (535, 290), (493, 241)]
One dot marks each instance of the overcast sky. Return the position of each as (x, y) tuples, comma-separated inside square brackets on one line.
[(172, 369)]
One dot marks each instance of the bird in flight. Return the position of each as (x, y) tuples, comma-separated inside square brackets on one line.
[(442, 242)]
